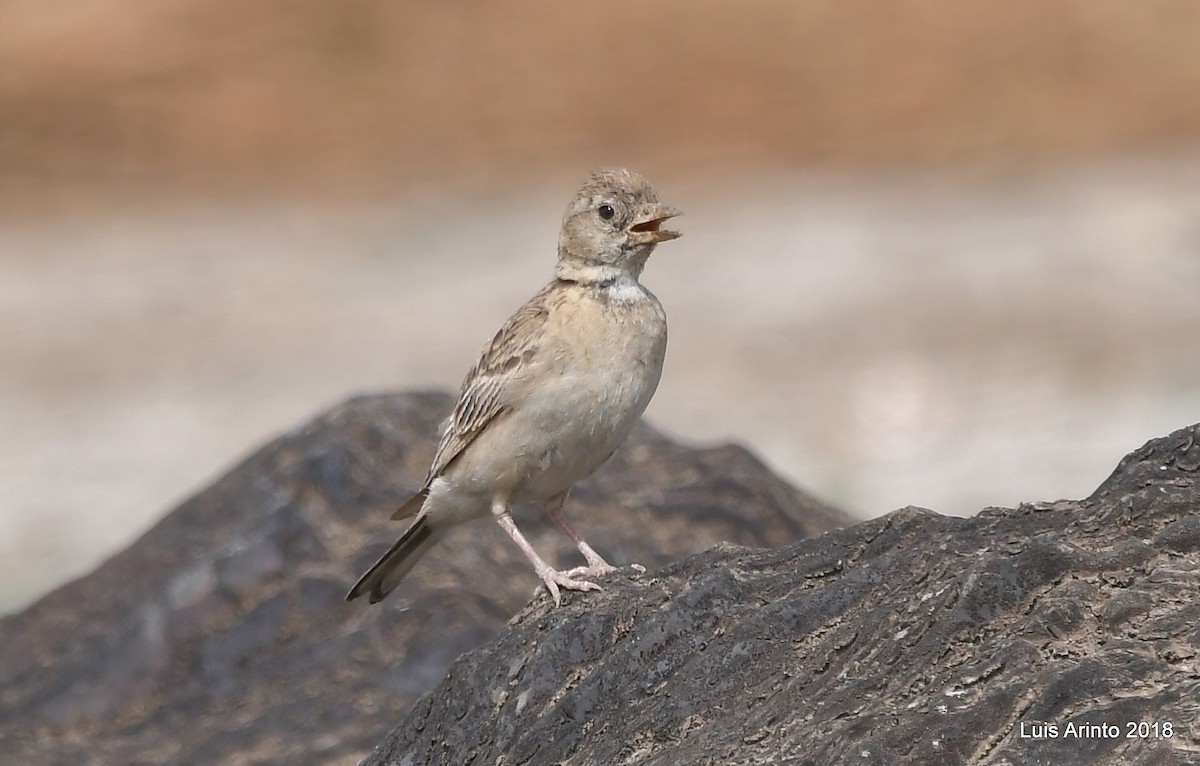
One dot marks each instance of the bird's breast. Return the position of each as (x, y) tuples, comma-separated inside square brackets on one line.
[(615, 341), (599, 383)]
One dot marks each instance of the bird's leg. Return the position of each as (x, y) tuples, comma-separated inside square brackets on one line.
[(597, 566), (549, 576)]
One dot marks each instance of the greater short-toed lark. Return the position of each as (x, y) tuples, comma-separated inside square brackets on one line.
[(556, 390)]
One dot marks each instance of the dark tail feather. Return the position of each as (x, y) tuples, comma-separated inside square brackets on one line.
[(410, 506), (387, 573)]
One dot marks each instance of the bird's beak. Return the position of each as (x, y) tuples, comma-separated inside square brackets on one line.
[(648, 230)]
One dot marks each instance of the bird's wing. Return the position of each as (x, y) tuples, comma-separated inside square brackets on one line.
[(494, 383)]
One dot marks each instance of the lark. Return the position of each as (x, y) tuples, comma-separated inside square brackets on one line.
[(554, 393)]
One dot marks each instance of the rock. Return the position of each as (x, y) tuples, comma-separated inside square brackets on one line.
[(222, 636), (1054, 633)]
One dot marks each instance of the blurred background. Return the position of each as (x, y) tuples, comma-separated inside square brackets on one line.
[(944, 254)]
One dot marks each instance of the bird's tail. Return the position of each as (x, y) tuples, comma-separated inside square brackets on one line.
[(391, 568)]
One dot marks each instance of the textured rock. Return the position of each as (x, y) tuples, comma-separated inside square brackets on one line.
[(221, 636), (913, 638)]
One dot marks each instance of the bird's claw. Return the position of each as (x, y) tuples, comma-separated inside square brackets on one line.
[(592, 570), (553, 579)]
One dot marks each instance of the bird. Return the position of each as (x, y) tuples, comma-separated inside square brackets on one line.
[(555, 391)]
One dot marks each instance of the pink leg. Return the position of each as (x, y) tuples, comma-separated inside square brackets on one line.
[(596, 564), (549, 576)]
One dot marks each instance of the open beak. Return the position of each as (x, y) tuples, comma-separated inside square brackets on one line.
[(650, 229)]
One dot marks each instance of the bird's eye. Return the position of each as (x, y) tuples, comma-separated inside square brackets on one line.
[(606, 212)]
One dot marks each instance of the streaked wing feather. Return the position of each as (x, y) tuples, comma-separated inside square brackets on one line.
[(488, 391)]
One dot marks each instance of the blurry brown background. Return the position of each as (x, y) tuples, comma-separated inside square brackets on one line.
[(936, 253)]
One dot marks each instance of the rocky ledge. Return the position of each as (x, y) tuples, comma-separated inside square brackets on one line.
[(1053, 633), (222, 636)]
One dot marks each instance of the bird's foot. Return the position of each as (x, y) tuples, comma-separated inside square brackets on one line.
[(601, 569), (596, 565), (591, 570), (552, 579)]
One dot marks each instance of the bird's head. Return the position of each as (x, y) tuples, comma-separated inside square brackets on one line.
[(611, 226)]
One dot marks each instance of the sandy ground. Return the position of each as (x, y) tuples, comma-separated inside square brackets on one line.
[(881, 341)]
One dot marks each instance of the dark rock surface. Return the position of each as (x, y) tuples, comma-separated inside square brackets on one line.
[(910, 639), (221, 636)]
